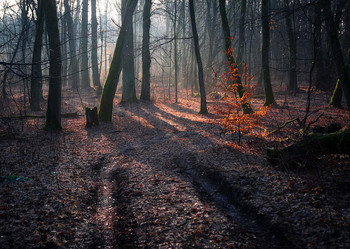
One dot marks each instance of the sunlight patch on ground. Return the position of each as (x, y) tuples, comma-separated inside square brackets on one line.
[(170, 122)]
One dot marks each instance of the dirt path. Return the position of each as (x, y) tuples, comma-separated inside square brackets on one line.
[(159, 176)]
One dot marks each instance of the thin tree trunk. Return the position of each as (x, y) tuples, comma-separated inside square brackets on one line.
[(247, 109), (146, 57), (35, 88), (85, 75), (94, 59), (241, 40), (175, 50), (203, 108)]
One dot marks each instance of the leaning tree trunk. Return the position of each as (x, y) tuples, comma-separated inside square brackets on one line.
[(247, 109), (129, 90), (203, 108), (265, 53), (94, 59), (110, 86), (53, 113), (35, 89), (343, 73), (74, 67), (85, 76), (241, 39), (337, 93), (146, 56)]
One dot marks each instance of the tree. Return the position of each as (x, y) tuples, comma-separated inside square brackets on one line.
[(74, 68), (203, 108), (85, 76), (292, 86), (343, 73), (53, 113), (129, 91), (35, 89), (241, 39), (247, 109), (110, 87), (94, 59), (265, 51), (146, 57)]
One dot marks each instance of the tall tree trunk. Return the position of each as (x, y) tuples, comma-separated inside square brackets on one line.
[(175, 50), (146, 57), (292, 86), (110, 86), (129, 91), (247, 109), (35, 89), (85, 75), (241, 40), (203, 108), (332, 31), (53, 113), (265, 53), (74, 66), (94, 59)]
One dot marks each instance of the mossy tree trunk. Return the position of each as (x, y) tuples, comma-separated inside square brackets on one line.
[(247, 109), (146, 56), (265, 53), (36, 77), (333, 143), (203, 108), (129, 90), (110, 86), (53, 113)]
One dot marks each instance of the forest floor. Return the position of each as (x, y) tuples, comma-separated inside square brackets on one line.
[(162, 176)]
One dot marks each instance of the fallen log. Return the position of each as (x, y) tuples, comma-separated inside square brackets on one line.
[(311, 147)]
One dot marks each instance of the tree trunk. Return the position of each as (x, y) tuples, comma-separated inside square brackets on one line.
[(35, 89), (53, 113), (129, 91), (94, 59), (265, 53), (85, 75), (146, 56), (74, 66), (203, 108), (292, 86), (247, 109), (343, 73), (175, 50), (110, 86), (333, 143), (241, 39)]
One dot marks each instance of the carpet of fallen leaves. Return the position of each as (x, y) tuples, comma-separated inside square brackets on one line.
[(134, 183)]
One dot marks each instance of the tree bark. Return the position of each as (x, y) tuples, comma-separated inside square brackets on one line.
[(292, 86), (53, 113), (241, 39), (247, 109), (74, 66), (343, 73), (85, 75), (146, 57), (265, 53), (203, 108), (129, 91), (36, 77), (110, 86), (94, 59)]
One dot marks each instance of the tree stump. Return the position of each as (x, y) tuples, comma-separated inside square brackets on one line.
[(91, 117)]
